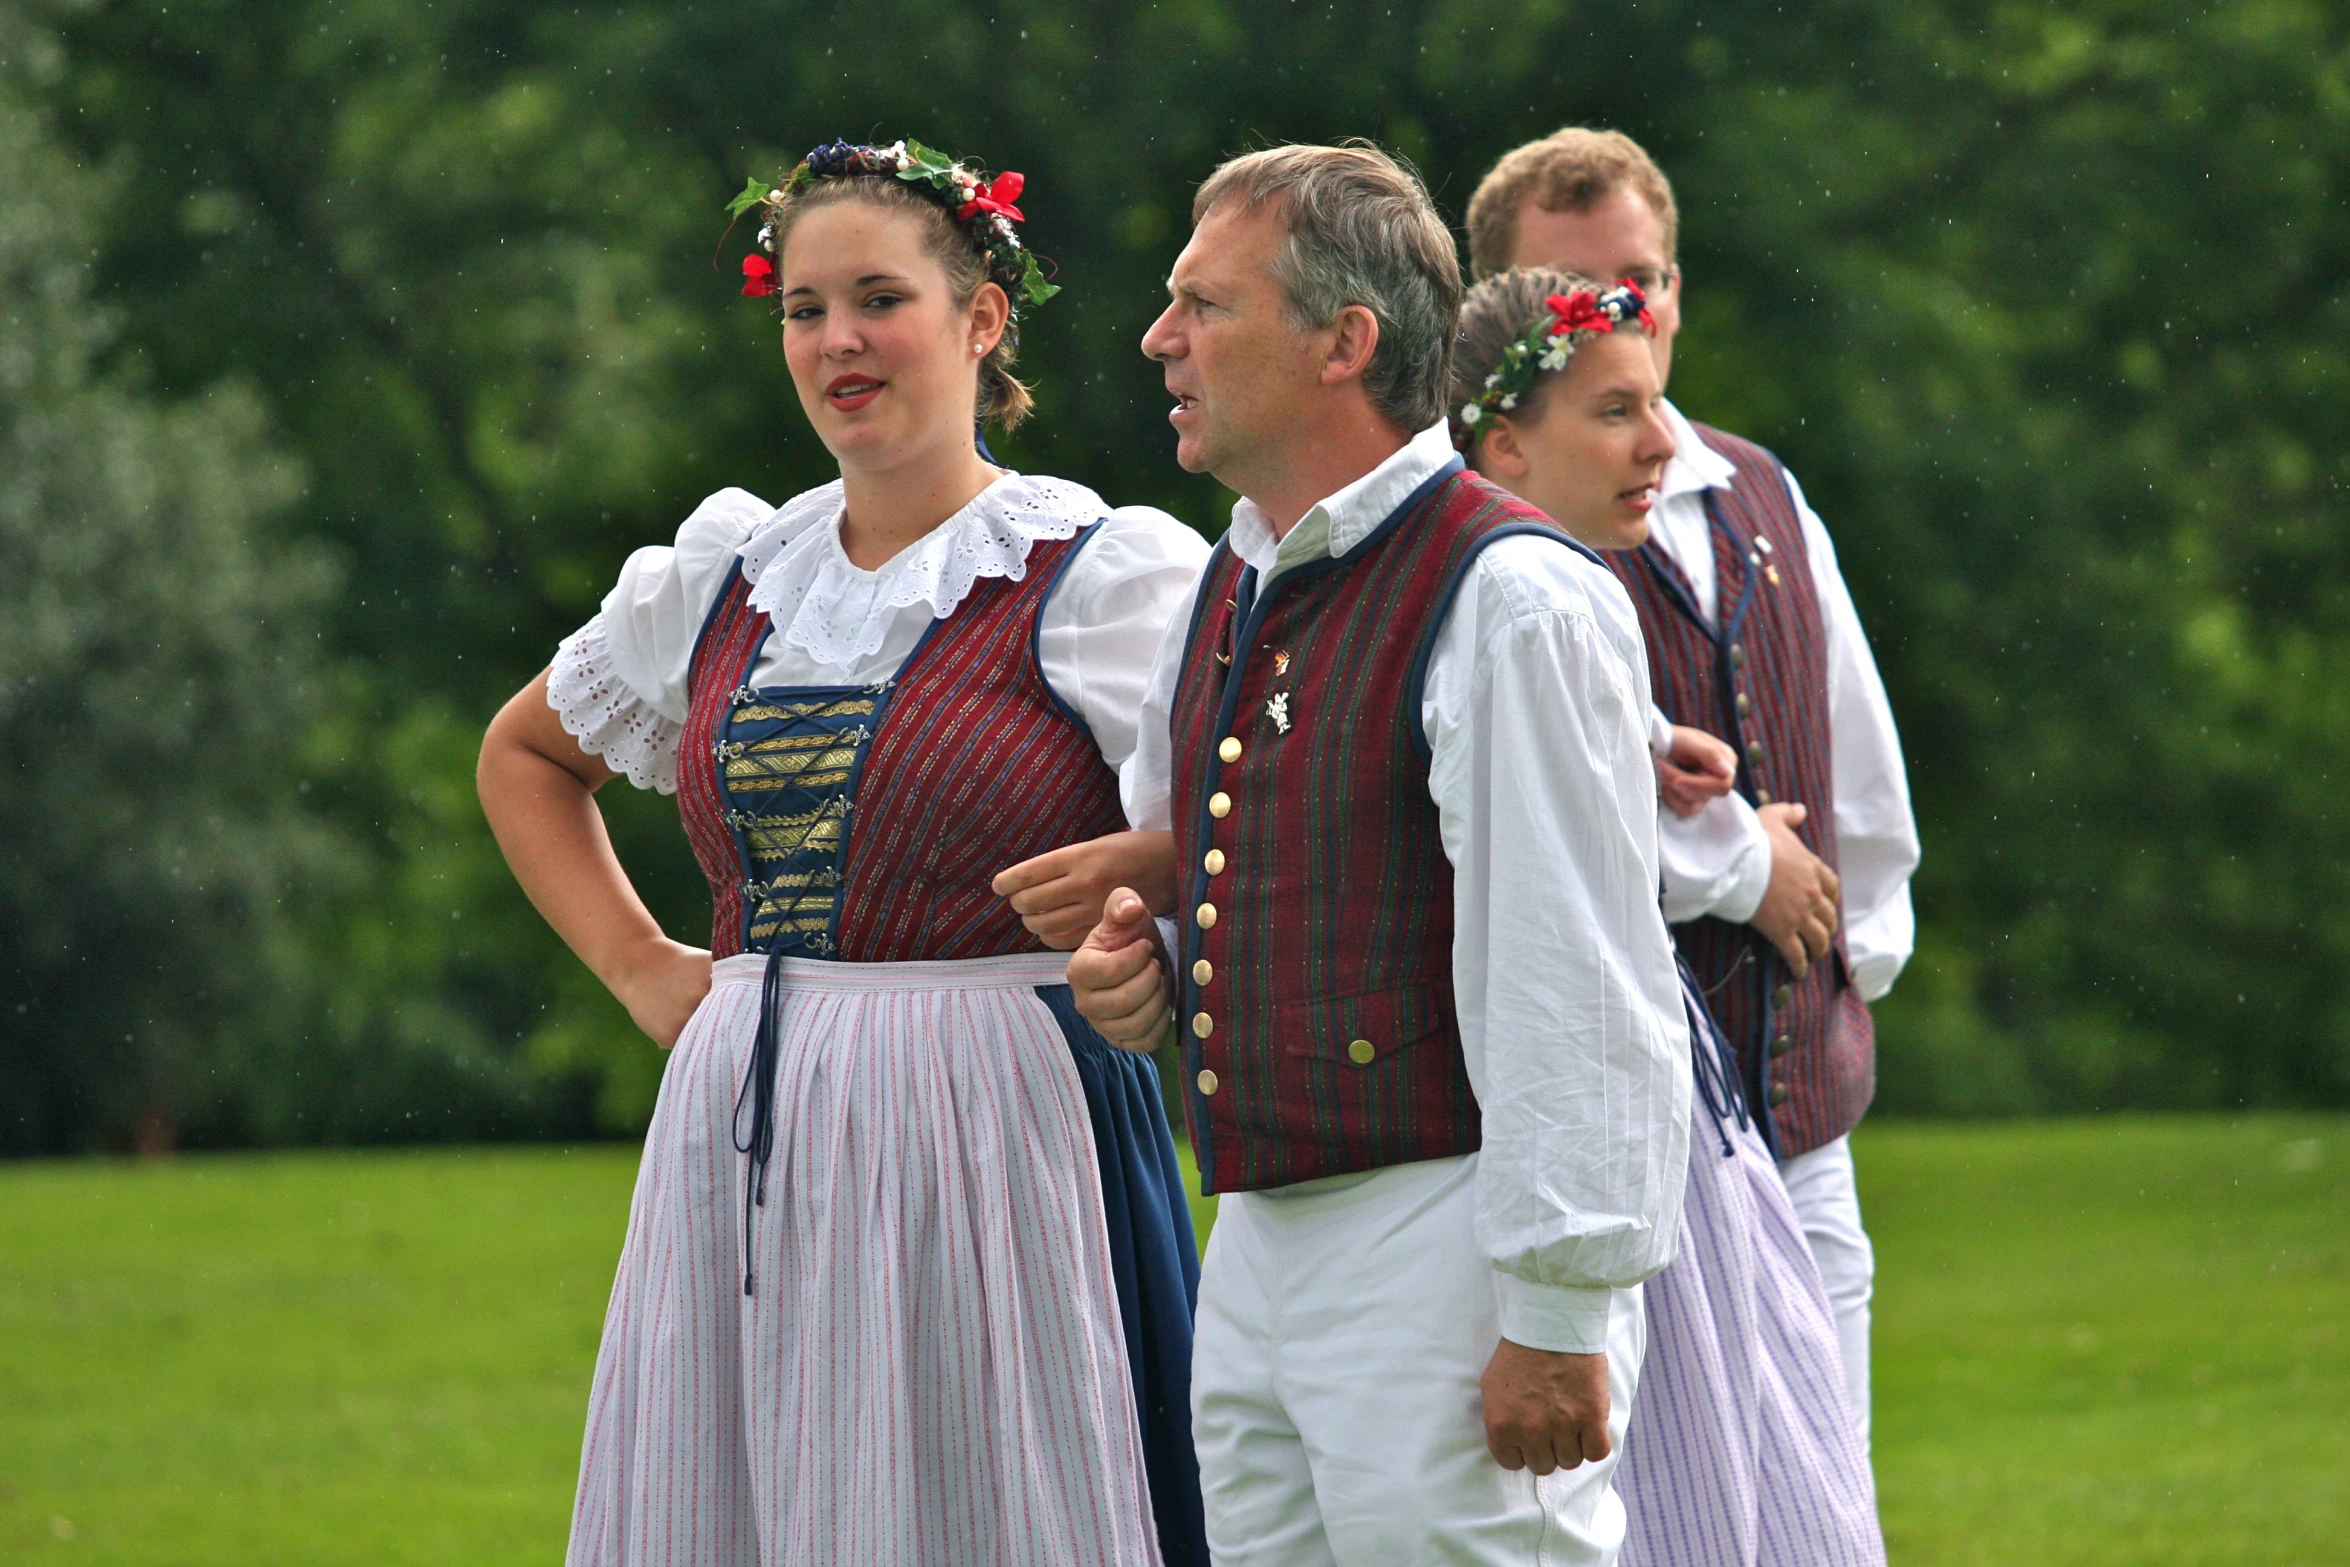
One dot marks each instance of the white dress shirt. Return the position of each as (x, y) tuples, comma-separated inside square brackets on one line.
[(1718, 862), (1536, 709), (619, 683)]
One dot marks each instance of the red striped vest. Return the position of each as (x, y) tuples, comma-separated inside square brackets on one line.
[(1315, 942), (976, 764), (1760, 681)]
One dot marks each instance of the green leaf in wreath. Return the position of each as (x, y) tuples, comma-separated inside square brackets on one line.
[(1032, 281), (752, 194), (929, 163)]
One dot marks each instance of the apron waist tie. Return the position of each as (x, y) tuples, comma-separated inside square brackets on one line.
[(1714, 1064), (759, 1089)]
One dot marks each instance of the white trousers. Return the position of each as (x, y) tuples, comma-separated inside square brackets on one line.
[(1341, 1338), (1827, 1205)]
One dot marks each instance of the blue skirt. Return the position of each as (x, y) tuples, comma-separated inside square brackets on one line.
[(1155, 1257)]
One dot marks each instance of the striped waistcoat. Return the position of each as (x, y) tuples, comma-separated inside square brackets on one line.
[(976, 764), (1759, 679), (1316, 928)]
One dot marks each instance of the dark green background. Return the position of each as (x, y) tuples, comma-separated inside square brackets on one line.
[(366, 339)]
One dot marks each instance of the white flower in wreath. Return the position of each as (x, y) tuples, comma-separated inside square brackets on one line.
[(1471, 413), (1554, 359), (1509, 402)]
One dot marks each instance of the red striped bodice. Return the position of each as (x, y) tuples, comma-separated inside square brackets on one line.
[(966, 762)]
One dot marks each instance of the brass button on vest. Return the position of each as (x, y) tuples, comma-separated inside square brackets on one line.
[(1207, 1081), (1219, 805), (1202, 972), (1762, 796), (1744, 706), (1206, 917), (1202, 1025), (1778, 1095), (1230, 749), (1754, 751), (1737, 656), (1214, 861), (1361, 1052), (1781, 996), (1780, 1046)]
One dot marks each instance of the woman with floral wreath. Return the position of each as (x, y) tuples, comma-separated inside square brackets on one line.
[(909, 1269), (1742, 1448)]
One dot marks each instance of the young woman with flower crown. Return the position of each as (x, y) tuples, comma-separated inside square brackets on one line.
[(909, 1269), (1742, 1447)]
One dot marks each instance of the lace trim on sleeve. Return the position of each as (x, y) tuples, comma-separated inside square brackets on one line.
[(606, 717)]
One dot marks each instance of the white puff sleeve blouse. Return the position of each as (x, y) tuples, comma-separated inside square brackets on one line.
[(618, 684)]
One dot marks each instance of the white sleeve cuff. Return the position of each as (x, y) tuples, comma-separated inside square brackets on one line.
[(1562, 1318), (1879, 944), (1750, 873), (1717, 862)]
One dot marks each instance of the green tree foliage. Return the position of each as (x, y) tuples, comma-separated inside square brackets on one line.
[(150, 652), (2045, 306)]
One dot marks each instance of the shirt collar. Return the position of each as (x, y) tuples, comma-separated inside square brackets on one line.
[(1695, 465), (1340, 521)]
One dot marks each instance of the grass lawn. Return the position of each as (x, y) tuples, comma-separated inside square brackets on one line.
[(2113, 1341)]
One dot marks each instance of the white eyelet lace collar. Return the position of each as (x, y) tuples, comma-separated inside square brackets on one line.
[(821, 603)]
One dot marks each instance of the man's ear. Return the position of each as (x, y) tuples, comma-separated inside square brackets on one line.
[(1500, 453), (1354, 339)]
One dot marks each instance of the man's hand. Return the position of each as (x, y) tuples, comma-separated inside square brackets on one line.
[(1060, 896), (1119, 977), (1699, 768), (1545, 1410), (662, 986), (1800, 910)]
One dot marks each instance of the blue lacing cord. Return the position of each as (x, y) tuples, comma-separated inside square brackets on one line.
[(759, 1088), (1714, 1065)]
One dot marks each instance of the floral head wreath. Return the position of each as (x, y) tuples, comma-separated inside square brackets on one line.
[(1570, 318), (983, 207)]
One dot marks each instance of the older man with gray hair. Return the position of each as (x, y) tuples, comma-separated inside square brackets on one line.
[(1435, 1056)]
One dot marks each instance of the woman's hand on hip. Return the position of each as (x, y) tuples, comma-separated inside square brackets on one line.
[(538, 789), (1119, 977), (1060, 896), (661, 986)]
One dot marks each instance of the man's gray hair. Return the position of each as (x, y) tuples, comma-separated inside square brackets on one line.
[(1362, 231)]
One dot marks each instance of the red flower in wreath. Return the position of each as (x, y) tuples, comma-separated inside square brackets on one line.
[(758, 276), (996, 196), (1578, 312), (1647, 321)]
